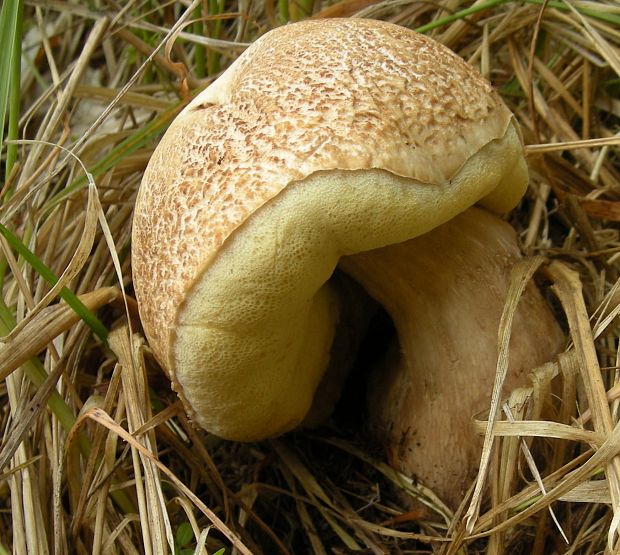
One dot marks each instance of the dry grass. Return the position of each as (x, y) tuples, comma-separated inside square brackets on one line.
[(96, 454)]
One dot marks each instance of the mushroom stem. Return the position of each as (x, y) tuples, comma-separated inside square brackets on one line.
[(445, 292)]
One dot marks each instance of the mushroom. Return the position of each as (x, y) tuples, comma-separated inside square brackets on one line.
[(323, 140)]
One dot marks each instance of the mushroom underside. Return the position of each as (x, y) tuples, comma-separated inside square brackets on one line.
[(254, 332)]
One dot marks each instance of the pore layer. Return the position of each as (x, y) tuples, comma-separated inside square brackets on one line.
[(253, 335)]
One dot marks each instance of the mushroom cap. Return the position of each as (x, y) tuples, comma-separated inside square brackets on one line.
[(309, 106)]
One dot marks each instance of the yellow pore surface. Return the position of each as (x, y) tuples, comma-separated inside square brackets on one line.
[(254, 332)]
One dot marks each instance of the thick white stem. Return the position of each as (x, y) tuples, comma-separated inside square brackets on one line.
[(445, 292)]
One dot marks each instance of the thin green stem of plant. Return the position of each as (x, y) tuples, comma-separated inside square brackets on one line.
[(283, 11), (140, 138), (216, 8), (10, 35), (595, 14), (200, 54), (558, 5), (461, 14), (10, 72), (3, 266), (14, 93), (66, 294), (300, 9)]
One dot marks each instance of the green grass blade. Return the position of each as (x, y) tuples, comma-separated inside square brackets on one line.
[(10, 40), (10, 72), (67, 295), (601, 14), (300, 9), (216, 7), (462, 14), (283, 11), (14, 92), (139, 139), (200, 52)]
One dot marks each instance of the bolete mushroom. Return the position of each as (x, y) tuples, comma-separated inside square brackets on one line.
[(323, 140)]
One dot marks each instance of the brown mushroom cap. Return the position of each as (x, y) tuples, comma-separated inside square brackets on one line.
[(323, 139)]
